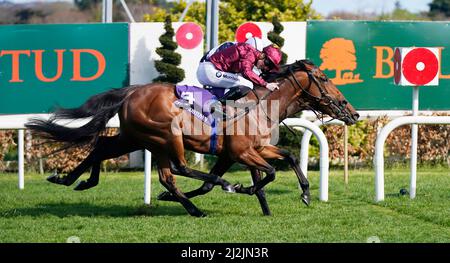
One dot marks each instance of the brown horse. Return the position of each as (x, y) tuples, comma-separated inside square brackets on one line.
[(148, 120)]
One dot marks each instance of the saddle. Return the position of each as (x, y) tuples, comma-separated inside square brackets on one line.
[(203, 102)]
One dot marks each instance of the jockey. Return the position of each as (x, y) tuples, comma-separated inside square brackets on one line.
[(231, 68), (255, 42)]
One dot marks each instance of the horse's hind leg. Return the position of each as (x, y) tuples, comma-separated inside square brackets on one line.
[(105, 148), (92, 180), (181, 168), (168, 181), (222, 165), (71, 177), (110, 147)]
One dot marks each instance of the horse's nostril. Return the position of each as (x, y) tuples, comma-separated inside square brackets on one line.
[(356, 116)]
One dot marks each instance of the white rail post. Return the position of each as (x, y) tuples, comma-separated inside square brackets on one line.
[(414, 139), (304, 146), (381, 138), (304, 152), (416, 66), (21, 161), (346, 154), (147, 177)]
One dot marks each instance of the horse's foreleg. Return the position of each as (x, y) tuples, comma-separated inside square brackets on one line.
[(219, 169), (181, 168), (254, 160), (222, 165), (273, 152), (256, 177)]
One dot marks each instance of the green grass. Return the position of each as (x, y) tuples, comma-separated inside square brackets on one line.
[(114, 211)]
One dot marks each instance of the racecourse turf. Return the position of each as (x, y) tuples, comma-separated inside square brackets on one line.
[(114, 211)]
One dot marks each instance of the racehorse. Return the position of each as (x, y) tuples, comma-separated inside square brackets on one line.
[(149, 121)]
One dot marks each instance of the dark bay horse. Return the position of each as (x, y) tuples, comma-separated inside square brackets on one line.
[(148, 120)]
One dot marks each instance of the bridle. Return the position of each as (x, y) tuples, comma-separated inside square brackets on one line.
[(324, 99)]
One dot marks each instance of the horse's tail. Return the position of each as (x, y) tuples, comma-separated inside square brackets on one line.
[(95, 103), (101, 108)]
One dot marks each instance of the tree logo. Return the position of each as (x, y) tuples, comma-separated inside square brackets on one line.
[(339, 54)]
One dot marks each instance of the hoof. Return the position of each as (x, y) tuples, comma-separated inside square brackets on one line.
[(306, 199), (54, 178), (166, 196), (229, 188), (83, 185), (403, 191), (266, 212), (199, 214), (238, 188)]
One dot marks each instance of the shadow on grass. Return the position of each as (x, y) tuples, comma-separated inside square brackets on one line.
[(278, 191), (88, 210)]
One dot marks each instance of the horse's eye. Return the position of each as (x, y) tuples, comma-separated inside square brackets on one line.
[(344, 102)]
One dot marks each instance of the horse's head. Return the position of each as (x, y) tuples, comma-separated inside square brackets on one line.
[(318, 93)]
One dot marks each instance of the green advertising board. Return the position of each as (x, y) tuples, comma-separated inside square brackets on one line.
[(46, 65), (358, 57)]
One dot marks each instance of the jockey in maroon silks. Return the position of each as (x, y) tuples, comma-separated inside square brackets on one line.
[(231, 68)]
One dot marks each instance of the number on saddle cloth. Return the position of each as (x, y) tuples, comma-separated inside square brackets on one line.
[(198, 100)]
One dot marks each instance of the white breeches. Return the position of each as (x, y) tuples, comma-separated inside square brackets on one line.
[(208, 75)]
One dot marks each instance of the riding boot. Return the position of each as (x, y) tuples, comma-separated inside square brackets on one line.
[(235, 93)]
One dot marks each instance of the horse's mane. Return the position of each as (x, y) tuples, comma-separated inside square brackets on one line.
[(285, 70)]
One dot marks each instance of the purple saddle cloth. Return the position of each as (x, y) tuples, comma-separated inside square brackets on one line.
[(199, 100)]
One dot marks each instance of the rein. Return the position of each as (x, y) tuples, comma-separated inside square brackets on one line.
[(324, 97), (263, 98)]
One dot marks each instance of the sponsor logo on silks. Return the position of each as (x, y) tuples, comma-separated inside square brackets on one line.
[(232, 77), (218, 74)]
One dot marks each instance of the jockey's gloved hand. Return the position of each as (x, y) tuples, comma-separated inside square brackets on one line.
[(272, 86)]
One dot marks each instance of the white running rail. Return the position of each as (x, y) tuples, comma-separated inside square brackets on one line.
[(379, 146)]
